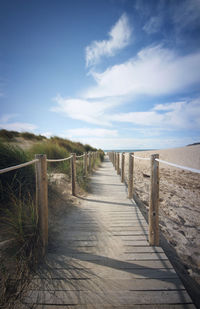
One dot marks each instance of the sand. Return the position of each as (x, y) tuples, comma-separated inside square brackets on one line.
[(179, 201)]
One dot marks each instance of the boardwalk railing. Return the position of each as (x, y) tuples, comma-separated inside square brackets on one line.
[(154, 185), (41, 162)]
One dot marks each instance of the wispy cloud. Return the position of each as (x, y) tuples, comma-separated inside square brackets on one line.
[(176, 115), (92, 132), (186, 15), (136, 143), (153, 25), (18, 126), (119, 37), (5, 123), (93, 112), (155, 71)]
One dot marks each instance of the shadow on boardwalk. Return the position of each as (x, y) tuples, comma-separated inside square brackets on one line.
[(102, 259)]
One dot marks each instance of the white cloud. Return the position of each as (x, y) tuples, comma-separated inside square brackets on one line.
[(153, 25), (177, 115), (15, 126), (149, 118), (155, 71), (92, 132), (18, 126), (136, 143), (169, 106), (47, 134), (119, 38), (93, 112)]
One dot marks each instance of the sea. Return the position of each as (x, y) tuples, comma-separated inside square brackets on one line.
[(126, 150)]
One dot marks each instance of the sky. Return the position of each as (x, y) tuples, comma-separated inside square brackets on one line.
[(116, 74)]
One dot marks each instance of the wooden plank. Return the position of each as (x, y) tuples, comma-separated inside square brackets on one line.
[(107, 284), (126, 233), (129, 248), (64, 262), (107, 306), (146, 256), (118, 298), (134, 240), (129, 227), (99, 271)]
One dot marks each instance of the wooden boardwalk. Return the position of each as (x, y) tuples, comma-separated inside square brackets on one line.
[(103, 259)]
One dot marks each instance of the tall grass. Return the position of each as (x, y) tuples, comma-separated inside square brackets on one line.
[(52, 151), (21, 180), (21, 258), (7, 136), (72, 147)]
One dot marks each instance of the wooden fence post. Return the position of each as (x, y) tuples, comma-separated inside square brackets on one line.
[(73, 173), (90, 162), (85, 163), (154, 202), (93, 160), (115, 160), (130, 176), (118, 170), (42, 199), (122, 167)]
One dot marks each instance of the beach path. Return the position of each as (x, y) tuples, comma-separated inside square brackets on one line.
[(102, 258)]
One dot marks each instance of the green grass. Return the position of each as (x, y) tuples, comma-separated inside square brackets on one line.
[(7, 136), (72, 147), (21, 180), (52, 151), (20, 259)]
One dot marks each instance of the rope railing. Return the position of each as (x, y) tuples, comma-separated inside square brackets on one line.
[(193, 170), (59, 160), (81, 156), (42, 184), (140, 158), (154, 186), (12, 168)]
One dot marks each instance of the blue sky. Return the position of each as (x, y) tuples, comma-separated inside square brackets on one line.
[(117, 74)]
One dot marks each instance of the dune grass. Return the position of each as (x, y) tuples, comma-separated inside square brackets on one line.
[(52, 151), (21, 180)]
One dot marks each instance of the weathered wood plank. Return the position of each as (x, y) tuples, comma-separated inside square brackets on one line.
[(118, 298), (68, 262), (108, 273), (107, 284), (109, 306)]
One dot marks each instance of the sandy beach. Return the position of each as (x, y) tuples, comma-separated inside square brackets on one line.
[(179, 200)]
